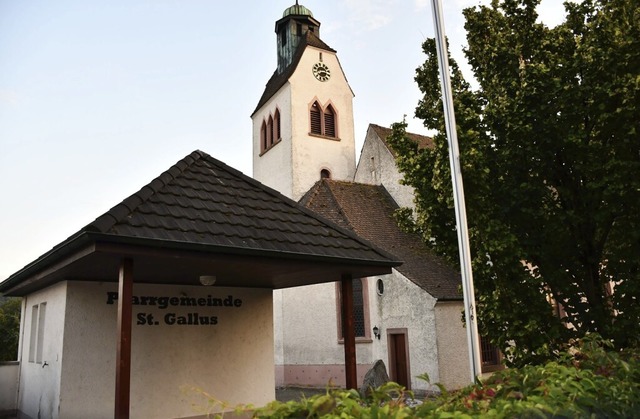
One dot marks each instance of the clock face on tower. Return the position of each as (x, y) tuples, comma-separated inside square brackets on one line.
[(321, 71)]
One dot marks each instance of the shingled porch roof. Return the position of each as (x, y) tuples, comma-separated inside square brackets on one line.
[(202, 217)]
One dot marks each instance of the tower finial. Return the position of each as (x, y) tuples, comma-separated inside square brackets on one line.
[(297, 3)]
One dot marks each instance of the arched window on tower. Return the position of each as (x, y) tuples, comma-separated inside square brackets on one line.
[(323, 121), (276, 126), (263, 137), (315, 116), (325, 174), (270, 132), (330, 122)]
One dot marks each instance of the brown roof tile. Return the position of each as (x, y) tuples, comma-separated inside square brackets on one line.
[(202, 200), (368, 211), (382, 132)]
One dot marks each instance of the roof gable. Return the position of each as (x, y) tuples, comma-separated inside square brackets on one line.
[(202, 200), (382, 132), (368, 210), (278, 80)]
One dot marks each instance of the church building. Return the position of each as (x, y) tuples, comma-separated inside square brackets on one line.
[(304, 147), (206, 281)]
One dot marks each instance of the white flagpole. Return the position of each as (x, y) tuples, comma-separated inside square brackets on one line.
[(458, 192)]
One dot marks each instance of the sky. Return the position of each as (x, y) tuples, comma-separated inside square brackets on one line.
[(97, 98)]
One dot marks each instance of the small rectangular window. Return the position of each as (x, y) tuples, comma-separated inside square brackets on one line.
[(34, 333), (36, 340), (41, 318)]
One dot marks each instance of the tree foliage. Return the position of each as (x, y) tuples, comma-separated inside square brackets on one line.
[(9, 328), (550, 157)]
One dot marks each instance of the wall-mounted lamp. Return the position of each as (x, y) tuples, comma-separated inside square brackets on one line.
[(207, 280), (376, 332)]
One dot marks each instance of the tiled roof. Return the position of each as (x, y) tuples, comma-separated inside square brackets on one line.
[(368, 211), (382, 132), (278, 80), (202, 208), (202, 200)]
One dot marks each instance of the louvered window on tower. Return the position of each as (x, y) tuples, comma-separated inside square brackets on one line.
[(316, 120), (323, 122), (329, 122)]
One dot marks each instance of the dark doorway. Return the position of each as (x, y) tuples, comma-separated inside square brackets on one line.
[(399, 357)]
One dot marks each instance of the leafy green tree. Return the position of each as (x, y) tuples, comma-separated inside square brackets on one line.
[(550, 157), (9, 328)]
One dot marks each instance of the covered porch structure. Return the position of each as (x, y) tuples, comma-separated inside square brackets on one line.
[(203, 233)]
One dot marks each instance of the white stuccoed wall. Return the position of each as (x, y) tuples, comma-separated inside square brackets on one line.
[(312, 354), (39, 388), (171, 364), (405, 305), (312, 154), (453, 352), (275, 167), (376, 166), (294, 165)]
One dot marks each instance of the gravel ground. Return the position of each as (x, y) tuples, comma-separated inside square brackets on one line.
[(284, 394)]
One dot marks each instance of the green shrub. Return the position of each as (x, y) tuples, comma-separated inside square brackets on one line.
[(588, 380), (9, 328)]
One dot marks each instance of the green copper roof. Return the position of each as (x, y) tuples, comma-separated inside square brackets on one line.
[(298, 10)]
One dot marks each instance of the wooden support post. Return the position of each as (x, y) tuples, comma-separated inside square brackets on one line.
[(123, 354), (349, 333)]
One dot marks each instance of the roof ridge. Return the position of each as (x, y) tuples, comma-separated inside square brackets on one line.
[(107, 220)]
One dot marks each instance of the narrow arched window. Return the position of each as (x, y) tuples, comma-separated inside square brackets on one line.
[(276, 122), (330, 122), (360, 310), (315, 115), (270, 132), (325, 174), (263, 137)]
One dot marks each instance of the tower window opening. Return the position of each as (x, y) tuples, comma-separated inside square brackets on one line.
[(276, 122), (316, 119), (329, 122), (325, 174), (263, 137), (323, 121), (299, 29), (270, 132)]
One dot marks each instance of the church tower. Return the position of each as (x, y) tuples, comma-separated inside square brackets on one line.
[(303, 123)]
